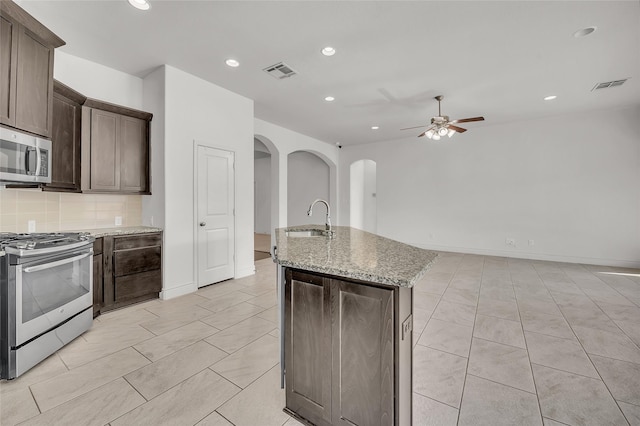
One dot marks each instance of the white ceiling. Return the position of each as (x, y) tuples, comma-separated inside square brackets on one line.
[(496, 59)]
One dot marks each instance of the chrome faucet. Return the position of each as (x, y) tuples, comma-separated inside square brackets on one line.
[(328, 222)]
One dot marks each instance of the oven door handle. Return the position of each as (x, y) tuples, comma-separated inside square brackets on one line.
[(50, 265)]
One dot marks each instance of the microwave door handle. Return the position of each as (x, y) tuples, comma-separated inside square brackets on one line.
[(26, 159), (44, 266), (38, 161)]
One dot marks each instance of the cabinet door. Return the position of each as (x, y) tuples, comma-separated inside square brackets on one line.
[(363, 368), (98, 295), (8, 48), (34, 85), (308, 346), (134, 153), (65, 146), (105, 153)]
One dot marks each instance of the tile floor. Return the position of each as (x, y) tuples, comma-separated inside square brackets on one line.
[(497, 341)]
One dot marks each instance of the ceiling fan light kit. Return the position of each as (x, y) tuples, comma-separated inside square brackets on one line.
[(441, 125)]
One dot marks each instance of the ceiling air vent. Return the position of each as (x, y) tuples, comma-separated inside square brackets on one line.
[(280, 71), (608, 84)]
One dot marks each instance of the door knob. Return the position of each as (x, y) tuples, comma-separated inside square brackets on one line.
[(203, 223)]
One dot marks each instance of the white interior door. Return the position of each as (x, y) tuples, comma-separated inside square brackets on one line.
[(215, 215)]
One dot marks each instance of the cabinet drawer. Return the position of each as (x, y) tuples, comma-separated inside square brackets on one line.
[(136, 241), (97, 246), (136, 285), (134, 261)]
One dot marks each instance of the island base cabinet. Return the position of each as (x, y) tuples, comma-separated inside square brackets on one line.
[(347, 361), (308, 347), (362, 344)]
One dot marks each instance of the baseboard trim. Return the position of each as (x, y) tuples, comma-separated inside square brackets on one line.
[(533, 256), (245, 271), (170, 293)]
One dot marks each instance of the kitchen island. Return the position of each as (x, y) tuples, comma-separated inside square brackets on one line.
[(346, 306)]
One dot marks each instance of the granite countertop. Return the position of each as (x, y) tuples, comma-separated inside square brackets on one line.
[(353, 253), (120, 230)]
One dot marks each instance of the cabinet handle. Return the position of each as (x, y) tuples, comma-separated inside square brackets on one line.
[(43, 266), (203, 223)]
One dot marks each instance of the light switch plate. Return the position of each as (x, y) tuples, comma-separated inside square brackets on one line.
[(118, 220), (31, 226)]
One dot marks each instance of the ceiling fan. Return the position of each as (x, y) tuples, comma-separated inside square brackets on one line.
[(442, 126)]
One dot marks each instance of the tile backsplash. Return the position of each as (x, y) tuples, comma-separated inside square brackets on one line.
[(58, 211)]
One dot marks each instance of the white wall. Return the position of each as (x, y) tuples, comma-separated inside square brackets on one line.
[(153, 207), (308, 179), (196, 110), (262, 178), (362, 203), (370, 213), (97, 81), (356, 194), (570, 183)]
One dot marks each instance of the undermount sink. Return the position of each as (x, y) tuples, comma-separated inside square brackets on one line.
[(307, 233)]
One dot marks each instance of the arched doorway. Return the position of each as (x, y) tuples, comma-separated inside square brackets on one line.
[(363, 211)]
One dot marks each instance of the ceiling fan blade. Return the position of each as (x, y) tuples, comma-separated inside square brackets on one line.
[(457, 129), (425, 132), (467, 120), (414, 127)]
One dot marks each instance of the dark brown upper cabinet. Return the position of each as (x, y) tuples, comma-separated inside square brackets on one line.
[(26, 71), (65, 139), (115, 149)]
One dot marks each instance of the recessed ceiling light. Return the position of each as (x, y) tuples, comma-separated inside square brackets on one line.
[(550, 97), (328, 51), (140, 4), (584, 32), (374, 127), (232, 63), (329, 99)]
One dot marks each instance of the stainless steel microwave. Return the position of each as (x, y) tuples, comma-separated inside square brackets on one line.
[(24, 157)]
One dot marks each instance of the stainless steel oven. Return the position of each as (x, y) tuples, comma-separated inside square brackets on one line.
[(46, 297), (24, 157)]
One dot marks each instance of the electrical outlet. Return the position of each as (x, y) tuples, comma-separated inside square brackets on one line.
[(31, 226), (118, 220), (510, 242), (532, 243)]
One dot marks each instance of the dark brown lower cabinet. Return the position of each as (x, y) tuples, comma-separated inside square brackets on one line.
[(347, 361), (98, 277), (132, 269), (308, 346)]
